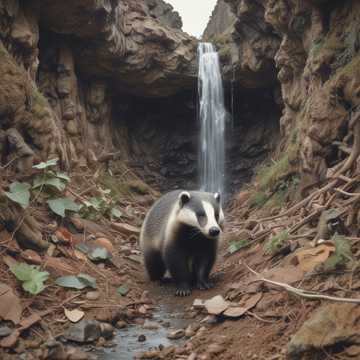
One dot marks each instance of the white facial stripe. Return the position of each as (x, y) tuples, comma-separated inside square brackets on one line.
[(210, 214), (221, 216), (187, 216)]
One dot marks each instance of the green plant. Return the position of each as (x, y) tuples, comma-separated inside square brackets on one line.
[(342, 255), (19, 193), (269, 175), (49, 178), (275, 242), (237, 245), (31, 276), (258, 199)]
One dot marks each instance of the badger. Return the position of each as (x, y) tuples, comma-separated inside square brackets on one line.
[(180, 234)]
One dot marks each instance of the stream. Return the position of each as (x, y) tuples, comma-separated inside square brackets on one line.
[(167, 315)]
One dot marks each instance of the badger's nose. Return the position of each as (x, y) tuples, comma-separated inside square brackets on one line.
[(214, 231)]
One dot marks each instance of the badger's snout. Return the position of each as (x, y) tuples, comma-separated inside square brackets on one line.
[(214, 231)]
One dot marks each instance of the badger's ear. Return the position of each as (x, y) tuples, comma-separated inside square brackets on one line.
[(217, 197), (184, 197)]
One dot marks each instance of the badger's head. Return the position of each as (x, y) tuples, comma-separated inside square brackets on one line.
[(203, 211)]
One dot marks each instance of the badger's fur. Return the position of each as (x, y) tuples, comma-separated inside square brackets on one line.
[(180, 234)]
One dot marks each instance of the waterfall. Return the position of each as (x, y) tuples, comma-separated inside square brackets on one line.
[(212, 116)]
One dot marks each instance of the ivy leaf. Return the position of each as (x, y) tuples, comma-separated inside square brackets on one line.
[(45, 165), (31, 276), (79, 282), (62, 176), (99, 253), (41, 180), (19, 193), (122, 290), (60, 205), (116, 213)]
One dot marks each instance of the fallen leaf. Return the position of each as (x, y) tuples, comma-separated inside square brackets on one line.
[(287, 274), (10, 305), (79, 282), (308, 259), (31, 256), (126, 228), (122, 290), (11, 340), (237, 311), (74, 315), (29, 321), (216, 305), (63, 235)]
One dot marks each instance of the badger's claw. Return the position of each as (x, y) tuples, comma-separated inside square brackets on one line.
[(183, 291), (204, 285)]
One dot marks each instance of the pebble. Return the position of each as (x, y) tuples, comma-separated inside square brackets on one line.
[(121, 324), (191, 330), (151, 325), (107, 330), (106, 243), (215, 349), (92, 295), (192, 356), (176, 334), (210, 319), (142, 338)]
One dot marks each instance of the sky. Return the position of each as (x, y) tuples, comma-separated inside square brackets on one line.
[(194, 13)]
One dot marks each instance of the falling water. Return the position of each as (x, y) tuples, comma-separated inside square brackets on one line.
[(212, 118)]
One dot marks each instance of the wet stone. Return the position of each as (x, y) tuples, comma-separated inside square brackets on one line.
[(92, 295), (121, 324), (5, 331), (84, 331), (210, 319), (192, 329), (142, 338), (215, 349), (151, 325), (176, 334)]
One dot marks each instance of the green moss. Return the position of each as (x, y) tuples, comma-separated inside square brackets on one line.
[(269, 175), (276, 242), (121, 188), (258, 199), (351, 69), (40, 107)]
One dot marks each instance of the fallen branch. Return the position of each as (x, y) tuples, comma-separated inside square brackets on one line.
[(300, 292)]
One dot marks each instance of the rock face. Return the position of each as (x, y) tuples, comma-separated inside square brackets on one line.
[(61, 74), (221, 19), (312, 48)]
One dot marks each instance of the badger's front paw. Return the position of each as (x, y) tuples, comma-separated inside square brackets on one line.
[(183, 290), (204, 284)]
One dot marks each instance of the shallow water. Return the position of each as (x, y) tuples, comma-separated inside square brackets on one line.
[(126, 340)]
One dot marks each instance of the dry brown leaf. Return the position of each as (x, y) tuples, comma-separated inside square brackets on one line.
[(9, 261), (31, 257), (126, 229), (288, 274), (10, 305), (237, 311), (29, 321), (216, 305), (11, 340), (308, 259), (74, 315), (64, 235)]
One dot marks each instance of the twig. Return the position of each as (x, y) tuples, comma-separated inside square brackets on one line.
[(260, 318), (300, 292), (346, 193)]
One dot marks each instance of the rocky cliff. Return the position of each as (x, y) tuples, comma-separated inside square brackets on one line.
[(61, 76), (311, 50)]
